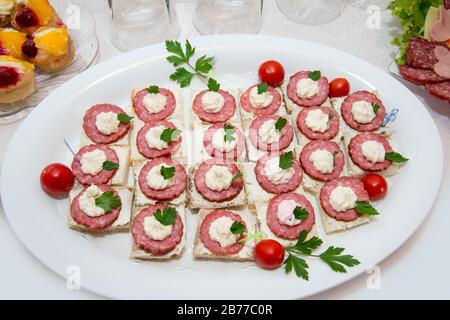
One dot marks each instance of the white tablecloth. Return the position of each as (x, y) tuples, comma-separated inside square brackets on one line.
[(419, 269)]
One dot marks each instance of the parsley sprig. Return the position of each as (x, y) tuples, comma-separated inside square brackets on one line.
[(167, 172), (286, 160), (280, 124), (229, 133), (333, 256), (375, 107), (108, 201), (395, 157), (167, 216), (124, 118), (184, 75), (262, 87), (237, 228), (170, 134)]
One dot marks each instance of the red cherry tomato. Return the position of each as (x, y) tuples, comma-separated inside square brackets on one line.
[(339, 87), (269, 254), (57, 180), (271, 72), (375, 185)]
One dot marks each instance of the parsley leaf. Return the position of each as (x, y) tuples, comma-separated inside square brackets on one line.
[(262, 87), (170, 134), (153, 89), (237, 176), (109, 165), (364, 207), (304, 246), (395, 157), (124, 118), (108, 201), (213, 85), (167, 217), (300, 213), (167, 172), (315, 75), (229, 133), (330, 117), (237, 228), (182, 76), (298, 264), (333, 258), (375, 107), (286, 160), (179, 57), (204, 64), (280, 124)]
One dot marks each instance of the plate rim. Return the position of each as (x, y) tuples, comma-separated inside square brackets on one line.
[(205, 42)]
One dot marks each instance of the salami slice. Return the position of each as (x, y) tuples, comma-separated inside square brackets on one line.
[(143, 113), (316, 100), (151, 153), (225, 113), (212, 195), (308, 166), (97, 223), (152, 246), (266, 111), (103, 176), (268, 185), (168, 193), (91, 129), (440, 90), (284, 231), (213, 245), (287, 134), (363, 95), (447, 4), (420, 76), (215, 153), (355, 152), (330, 133), (357, 187), (420, 53)]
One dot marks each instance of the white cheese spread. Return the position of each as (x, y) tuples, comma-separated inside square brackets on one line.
[(275, 174), (87, 202), (307, 88), (107, 122), (155, 229), (218, 178), (154, 102), (362, 112), (373, 151), (317, 120), (153, 138), (322, 160), (219, 231), (285, 213), (219, 142), (92, 162), (156, 181), (268, 133), (343, 198), (212, 102), (262, 100)]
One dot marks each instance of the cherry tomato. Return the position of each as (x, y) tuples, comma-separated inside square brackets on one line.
[(339, 87), (269, 254), (375, 185), (271, 72), (57, 180)]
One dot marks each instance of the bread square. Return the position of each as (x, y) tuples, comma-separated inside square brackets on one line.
[(141, 200), (196, 201), (246, 254), (138, 253), (122, 224)]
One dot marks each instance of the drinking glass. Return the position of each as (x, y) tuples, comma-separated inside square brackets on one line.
[(137, 23), (228, 16), (364, 4), (310, 11)]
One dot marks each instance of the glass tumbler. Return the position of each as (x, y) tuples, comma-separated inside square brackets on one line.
[(137, 23), (228, 16), (310, 11)]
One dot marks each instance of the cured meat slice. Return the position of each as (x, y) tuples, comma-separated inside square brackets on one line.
[(144, 114), (330, 133), (98, 223), (285, 231), (212, 195), (225, 113), (268, 185), (420, 76), (355, 152), (358, 188), (287, 134), (151, 153), (103, 176), (266, 111), (347, 115), (149, 245), (169, 193), (420, 53), (308, 166), (440, 90), (213, 245), (223, 155), (91, 129), (316, 100)]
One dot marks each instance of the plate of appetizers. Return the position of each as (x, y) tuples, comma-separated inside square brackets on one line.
[(181, 171), (42, 45)]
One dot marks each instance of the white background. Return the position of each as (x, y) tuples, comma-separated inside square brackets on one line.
[(418, 270)]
